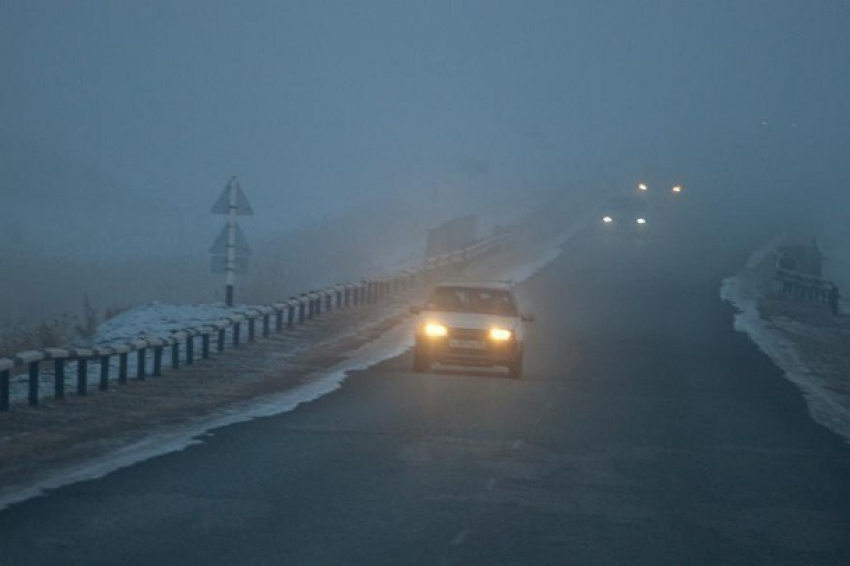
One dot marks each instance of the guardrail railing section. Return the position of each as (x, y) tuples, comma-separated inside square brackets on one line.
[(48, 368)]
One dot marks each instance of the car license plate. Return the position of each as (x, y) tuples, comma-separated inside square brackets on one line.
[(467, 344)]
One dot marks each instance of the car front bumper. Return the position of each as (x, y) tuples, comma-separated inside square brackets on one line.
[(467, 352)]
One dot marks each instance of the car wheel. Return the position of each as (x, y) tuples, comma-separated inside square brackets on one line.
[(421, 364), (515, 369)]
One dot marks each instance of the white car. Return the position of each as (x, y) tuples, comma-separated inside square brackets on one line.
[(470, 324)]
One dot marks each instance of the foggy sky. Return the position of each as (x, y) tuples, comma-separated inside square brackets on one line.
[(319, 105)]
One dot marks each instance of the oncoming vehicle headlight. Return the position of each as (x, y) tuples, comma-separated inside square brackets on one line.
[(677, 189), (641, 221), (500, 334), (435, 330), (607, 220)]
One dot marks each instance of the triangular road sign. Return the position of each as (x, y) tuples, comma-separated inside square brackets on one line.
[(220, 245), (241, 205)]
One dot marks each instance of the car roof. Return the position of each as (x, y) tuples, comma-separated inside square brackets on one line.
[(490, 285)]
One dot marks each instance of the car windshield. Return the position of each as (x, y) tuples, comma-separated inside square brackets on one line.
[(472, 300)]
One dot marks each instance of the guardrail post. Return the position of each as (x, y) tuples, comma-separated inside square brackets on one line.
[(175, 354), (122, 368), (59, 379), (237, 329), (32, 394), (4, 390), (205, 345), (265, 325), (221, 335), (190, 350), (290, 315), (82, 376), (278, 320), (104, 372), (251, 324), (301, 312), (141, 358), (157, 360)]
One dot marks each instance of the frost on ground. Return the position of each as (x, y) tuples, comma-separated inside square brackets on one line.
[(160, 320), (805, 340)]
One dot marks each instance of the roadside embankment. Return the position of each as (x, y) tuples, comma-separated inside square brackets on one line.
[(804, 338)]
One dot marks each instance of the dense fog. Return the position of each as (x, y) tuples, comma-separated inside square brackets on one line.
[(350, 124)]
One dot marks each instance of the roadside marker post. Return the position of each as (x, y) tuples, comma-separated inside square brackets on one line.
[(231, 250)]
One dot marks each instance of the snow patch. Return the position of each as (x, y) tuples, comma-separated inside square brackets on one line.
[(160, 320), (742, 291)]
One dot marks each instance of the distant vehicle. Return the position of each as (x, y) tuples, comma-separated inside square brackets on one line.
[(625, 213), (676, 189), (470, 324)]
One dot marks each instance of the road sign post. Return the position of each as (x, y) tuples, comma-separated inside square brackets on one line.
[(230, 250)]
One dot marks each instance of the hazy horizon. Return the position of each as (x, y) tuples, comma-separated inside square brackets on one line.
[(319, 106), (122, 122)]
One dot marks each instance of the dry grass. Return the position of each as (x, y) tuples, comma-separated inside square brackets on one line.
[(66, 330)]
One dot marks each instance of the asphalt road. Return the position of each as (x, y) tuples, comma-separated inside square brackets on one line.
[(646, 431)]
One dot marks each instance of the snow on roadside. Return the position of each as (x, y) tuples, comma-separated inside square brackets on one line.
[(160, 320), (807, 355), (147, 321)]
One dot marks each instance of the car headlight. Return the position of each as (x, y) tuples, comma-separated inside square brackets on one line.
[(435, 330), (500, 334), (677, 189), (641, 221), (607, 220)]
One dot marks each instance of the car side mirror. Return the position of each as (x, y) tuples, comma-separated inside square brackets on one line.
[(527, 318), (415, 310)]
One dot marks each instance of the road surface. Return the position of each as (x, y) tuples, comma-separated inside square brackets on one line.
[(645, 431)]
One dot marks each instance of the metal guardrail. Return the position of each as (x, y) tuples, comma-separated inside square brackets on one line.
[(213, 336), (802, 286)]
